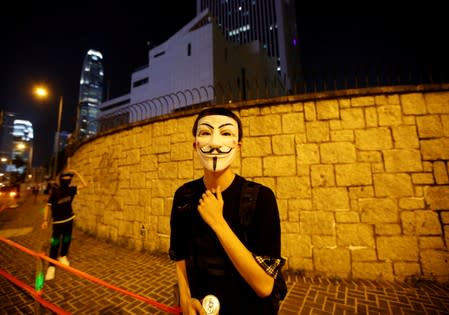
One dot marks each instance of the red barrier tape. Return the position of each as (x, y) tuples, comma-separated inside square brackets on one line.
[(166, 308), (34, 293)]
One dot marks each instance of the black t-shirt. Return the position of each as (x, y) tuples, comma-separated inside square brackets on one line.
[(61, 203), (208, 267)]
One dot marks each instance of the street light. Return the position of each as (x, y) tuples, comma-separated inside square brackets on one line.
[(42, 92)]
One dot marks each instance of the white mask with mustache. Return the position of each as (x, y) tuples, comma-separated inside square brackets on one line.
[(217, 141)]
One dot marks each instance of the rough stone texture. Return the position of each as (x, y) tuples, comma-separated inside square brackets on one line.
[(361, 180)]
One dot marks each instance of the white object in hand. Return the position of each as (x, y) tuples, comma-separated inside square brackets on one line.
[(211, 304)]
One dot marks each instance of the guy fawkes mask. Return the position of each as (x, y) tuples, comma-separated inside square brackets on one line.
[(217, 141)]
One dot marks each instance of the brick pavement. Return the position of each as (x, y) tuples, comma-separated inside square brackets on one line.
[(152, 275)]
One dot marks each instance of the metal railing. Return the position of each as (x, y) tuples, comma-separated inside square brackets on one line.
[(236, 90)]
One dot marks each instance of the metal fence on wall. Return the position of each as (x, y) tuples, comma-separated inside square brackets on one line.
[(232, 91), (225, 92), (369, 76)]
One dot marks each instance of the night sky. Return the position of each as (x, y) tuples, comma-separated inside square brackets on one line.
[(46, 43)]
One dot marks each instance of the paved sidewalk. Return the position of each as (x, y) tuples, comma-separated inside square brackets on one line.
[(153, 275)]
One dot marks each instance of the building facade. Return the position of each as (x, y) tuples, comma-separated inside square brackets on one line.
[(197, 65), (90, 95), (272, 22), (6, 130), (16, 143)]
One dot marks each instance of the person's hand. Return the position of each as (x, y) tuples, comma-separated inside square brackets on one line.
[(193, 307), (44, 225), (211, 207)]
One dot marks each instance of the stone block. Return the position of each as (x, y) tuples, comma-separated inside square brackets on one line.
[(373, 270), (337, 152), (354, 174), (279, 165), (437, 197), (437, 102), (440, 172), (308, 153), (357, 101), (316, 223), (317, 131), (322, 175), (293, 123), (402, 160), (435, 149), (181, 151), (431, 242), (411, 203), (309, 111), (359, 254), (388, 229), (283, 145), (355, 234), (347, 217), (185, 169), (327, 109), (252, 166), (342, 135), (373, 139), (330, 199), (393, 185), (405, 137), (294, 245), (332, 261), (293, 187), (435, 264), (397, 248), (405, 269), (352, 118), (413, 104), (256, 146), (375, 210), (429, 126), (265, 125), (324, 241), (389, 115)]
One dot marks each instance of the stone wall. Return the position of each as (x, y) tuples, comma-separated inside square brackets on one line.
[(361, 179)]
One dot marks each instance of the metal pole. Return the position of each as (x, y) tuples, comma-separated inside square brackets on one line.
[(58, 130)]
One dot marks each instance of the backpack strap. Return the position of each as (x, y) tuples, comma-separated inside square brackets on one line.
[(248, 200), (187, 198)]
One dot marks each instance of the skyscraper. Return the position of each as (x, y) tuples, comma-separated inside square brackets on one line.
[(6, 130), (91, 94), (16, 139), (272, 22), (22, 148)]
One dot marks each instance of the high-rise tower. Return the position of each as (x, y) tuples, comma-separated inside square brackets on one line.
[(91, 94), (272, 22)]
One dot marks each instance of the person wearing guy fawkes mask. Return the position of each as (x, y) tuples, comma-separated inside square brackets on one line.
[(60, 205), (206, 239)]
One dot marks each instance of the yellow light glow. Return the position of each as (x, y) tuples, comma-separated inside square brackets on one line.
[(21, 146), (41, 91)]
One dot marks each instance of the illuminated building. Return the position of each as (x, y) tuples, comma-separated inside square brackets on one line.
[(272, 22), (90, 95), (196, 65)]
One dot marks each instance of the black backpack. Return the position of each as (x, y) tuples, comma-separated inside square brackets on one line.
[(248, 201)]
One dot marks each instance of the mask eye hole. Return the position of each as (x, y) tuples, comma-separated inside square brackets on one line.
[(203, 133)]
